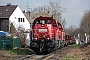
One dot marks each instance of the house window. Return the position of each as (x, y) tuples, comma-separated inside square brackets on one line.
[(23, 20), (18, 19), (5, 25)]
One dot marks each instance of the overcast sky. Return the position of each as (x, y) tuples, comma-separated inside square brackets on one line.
[(74, 12)]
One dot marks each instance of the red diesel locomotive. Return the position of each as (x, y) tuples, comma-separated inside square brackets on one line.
[(47, 35)]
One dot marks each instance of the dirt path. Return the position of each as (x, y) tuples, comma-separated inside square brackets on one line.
[(8, 56), (80, 53), (68, 53)]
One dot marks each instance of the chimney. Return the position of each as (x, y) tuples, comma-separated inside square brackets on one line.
[(9, 4)]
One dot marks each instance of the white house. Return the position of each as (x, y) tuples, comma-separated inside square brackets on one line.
[(12, 14)]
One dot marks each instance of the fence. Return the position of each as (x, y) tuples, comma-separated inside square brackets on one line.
[(6, 43)]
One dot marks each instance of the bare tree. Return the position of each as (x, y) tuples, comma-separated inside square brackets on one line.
[(85, 23), (63, 23), (22, 36), (20, 33), (41, 9), (72, 30), (56, 11)]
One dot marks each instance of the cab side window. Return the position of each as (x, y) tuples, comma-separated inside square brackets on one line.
[(48, 22)]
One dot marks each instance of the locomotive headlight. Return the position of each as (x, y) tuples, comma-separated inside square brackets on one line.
[(36, 37), (48, 38)]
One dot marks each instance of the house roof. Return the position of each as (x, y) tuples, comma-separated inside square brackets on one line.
[(6, 11)]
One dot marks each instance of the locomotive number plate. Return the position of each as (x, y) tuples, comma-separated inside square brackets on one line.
[(42, 30)]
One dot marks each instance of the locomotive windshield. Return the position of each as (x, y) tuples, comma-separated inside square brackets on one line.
[(42, 22)]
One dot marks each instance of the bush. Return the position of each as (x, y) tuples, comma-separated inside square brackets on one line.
[(24, 51)]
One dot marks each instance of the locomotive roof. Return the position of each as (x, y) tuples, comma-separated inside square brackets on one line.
[(46, 18)]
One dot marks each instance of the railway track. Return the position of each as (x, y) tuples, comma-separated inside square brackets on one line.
[(37, 57)]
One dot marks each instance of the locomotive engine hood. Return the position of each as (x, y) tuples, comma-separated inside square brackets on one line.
[(43, 31)]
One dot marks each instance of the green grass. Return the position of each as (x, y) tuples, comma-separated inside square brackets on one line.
[(21, 51), (74, 46)]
